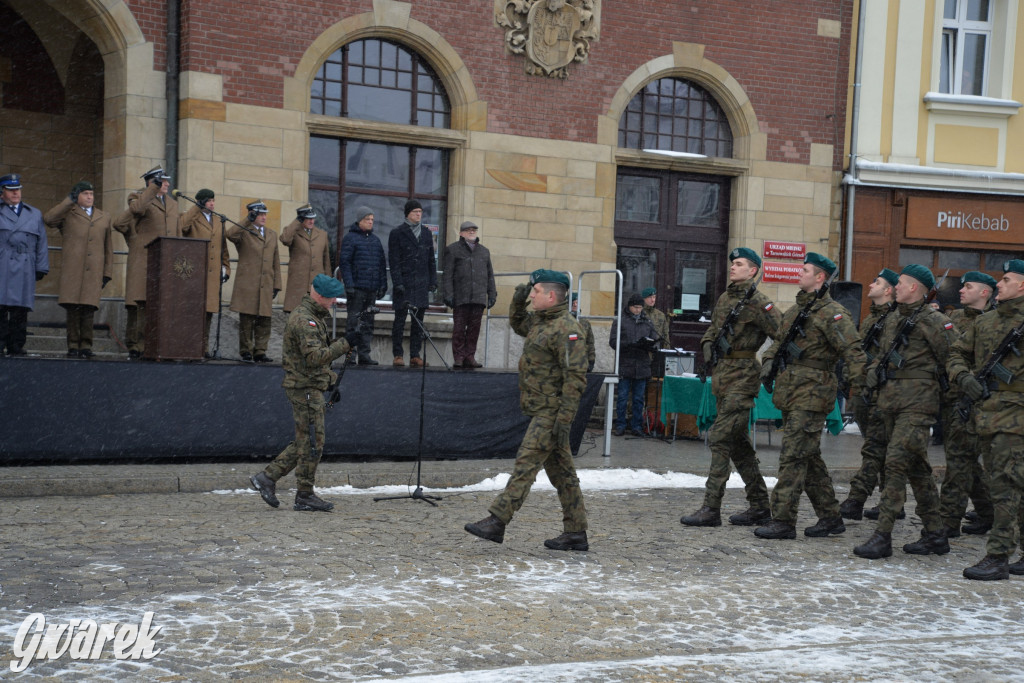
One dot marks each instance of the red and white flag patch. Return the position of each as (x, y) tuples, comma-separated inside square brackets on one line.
[(948, 326), (312, 323), (573, 337), (769, 306), (837, 317)]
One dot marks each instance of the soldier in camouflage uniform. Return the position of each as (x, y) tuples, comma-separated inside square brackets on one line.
[(588, 333), (908, 401), (805, 392), (657, 318), (998, 419), (735, 384), (872, 453), (308, 354), (964, 474), (552, 376)]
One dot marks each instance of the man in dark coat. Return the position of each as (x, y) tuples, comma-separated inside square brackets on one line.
[(639, 339), (413, 277), (468, 287), (365, 274), (23, 261)]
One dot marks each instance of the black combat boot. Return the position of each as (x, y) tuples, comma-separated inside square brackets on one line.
[(1017, 568), (953, 531), (872, 513), (931, 542), (751, 516), (851, 509), (704, 517), (972, 516), (266, 487), (307, 501), (979, 527), (569, 540), (826, 526), (776, 530), (992, 568), (490, 528), (877, 547)]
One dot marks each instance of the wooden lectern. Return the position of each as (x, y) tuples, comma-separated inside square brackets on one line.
[(175, 298)]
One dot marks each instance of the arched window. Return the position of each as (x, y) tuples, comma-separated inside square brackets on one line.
[(676, 115)]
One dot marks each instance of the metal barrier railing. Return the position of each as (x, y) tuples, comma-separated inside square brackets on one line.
[(487, 311), (610, 380)]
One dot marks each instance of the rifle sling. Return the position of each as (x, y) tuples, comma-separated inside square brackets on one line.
[(809, 363), (1017, 387), (735, 355), (910, 374)]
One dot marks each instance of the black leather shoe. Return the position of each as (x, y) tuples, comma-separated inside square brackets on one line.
[(637, 432), (826, 526), (72, 353), (872, 513), (490, 528), (246, 356), (977, 528), (570, 540), (263, 358), (266, 487), (877, 547), (307, 501), (1017, 568), (366, 360), (705, 516), (85, 353), (618, 432), (931, 542), (134, 355), (992, 568), (851, 509), (751, 516), (776, 530)]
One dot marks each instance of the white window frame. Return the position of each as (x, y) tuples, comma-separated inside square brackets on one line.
[(957, 29)]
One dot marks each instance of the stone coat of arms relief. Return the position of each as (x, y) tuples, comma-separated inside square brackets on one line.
[(551, 33)]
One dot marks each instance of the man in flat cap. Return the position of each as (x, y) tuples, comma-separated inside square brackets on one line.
[(199, 222), (965, 477), (882, 295), (24, 260), (309, 254), (413, 277), (805, 392), (998, 407), (87, 256), (257, 283), (308, 354), (735, 383), (151, 213), (468, 287), (908, 402), (552, 377), (364, 271)]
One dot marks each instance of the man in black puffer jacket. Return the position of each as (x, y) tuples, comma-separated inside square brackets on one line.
[(364, 272), (639, 339)]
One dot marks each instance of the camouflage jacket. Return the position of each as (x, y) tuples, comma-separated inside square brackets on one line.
[(914, 387), (877, 312), (660, 322), (758, 320), (553, 367), (307, 348), (809, 381), (1003, 411)]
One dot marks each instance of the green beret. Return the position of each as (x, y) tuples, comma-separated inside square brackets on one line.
[(328, 286), (82, 186), (544, 275), (979, 277), (743, 252), (920, 273), (650, 291), (1014, 266), (204, 195), (823, 262), (890, 276)]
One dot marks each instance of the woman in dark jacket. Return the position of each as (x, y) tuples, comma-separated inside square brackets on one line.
[(364, 272), (638, 340)]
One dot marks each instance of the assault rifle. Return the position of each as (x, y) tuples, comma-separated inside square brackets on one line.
[(993, 369), (875, 331), (902, 338), (721, 346), (788, 347)]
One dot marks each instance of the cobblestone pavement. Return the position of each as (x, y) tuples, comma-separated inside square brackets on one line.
[(397, 589)]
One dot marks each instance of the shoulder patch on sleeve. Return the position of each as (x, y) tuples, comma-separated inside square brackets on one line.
[(948, 326), (312, 323), (769, 306), (837, 317), (573, 337)]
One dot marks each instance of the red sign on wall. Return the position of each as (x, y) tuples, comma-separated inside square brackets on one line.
[(786, 273), (785, 250)]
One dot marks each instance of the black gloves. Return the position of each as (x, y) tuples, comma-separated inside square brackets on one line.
[(590, 366), (449, 302), (433, 289), (252, 216), (40, 275), (491, 300), (382, 291), (354, 337), (105, 281), (73, 195), (522, 292), (224, 274), (276, 292), (398, 292)]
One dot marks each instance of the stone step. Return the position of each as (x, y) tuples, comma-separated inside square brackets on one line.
[(51, 341)]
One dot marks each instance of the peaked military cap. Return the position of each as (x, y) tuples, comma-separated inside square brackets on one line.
[(920, 273), (305, 211), (979, 277), (256, 207), (650, 291), (157, 172), (82, 186), (890, 276), (328, 286), (204, 195), (544, 275), (823, 262), (11, 181), (1014, 266), (744, 252)]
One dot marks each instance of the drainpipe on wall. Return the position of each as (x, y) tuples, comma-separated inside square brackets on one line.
[(171, 79), (854, 123)]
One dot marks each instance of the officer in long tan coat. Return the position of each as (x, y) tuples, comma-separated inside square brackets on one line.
[(87, 255), (199, 222), (308, 255), (257, 283), (151, 213)]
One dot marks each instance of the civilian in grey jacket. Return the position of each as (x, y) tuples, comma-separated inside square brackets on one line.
[(468, 287)]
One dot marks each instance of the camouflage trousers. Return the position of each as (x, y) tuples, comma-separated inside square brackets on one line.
[(1004, 462), (906, 460), (872, 456), (730, 441), (541, 449), (802, 469), (307, 405), (964, 476)]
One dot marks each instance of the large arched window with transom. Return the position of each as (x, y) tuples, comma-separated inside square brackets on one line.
[(378, 82), (676, 115)]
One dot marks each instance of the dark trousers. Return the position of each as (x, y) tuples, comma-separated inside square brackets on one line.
[(80, 320), (630, 391), (358, 301), (13, 328), (398, 332), (466, 331)]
